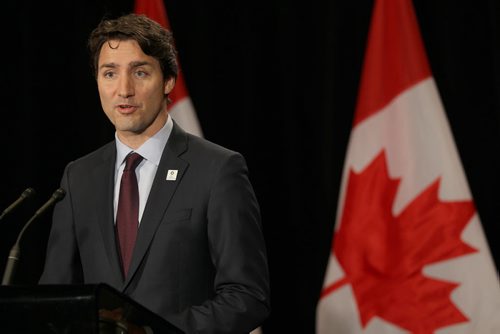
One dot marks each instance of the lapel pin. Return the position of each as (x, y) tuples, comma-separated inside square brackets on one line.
[(172, 175)]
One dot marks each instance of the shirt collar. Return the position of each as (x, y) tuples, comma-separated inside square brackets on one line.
[(152, 148)]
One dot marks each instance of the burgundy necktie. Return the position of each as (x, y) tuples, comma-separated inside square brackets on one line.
[(127, 215)]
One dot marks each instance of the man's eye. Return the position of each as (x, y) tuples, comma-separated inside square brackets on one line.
[(109, 75), (141, 74)]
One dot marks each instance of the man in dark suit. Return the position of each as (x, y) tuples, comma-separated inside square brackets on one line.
[(199, 258)]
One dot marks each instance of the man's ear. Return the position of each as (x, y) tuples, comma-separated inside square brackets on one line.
[(169, 85)]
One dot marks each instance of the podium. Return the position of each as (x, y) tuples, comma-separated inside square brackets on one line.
[(72, 309)]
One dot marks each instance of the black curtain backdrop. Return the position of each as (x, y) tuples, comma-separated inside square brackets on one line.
[(274, 80)]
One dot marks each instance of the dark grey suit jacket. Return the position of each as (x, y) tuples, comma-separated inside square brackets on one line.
[(199, 260)]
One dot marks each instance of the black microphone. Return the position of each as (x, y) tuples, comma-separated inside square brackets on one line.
[(15, 251), (26, 194)]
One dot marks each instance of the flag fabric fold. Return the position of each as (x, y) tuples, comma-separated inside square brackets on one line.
[(408, 253)]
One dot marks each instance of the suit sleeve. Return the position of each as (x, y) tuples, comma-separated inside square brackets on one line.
[(62, 263), (237, 250)]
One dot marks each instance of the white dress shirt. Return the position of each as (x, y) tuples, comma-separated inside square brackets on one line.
[(151, 151)]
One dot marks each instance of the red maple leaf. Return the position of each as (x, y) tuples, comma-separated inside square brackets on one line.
[(382, 255)]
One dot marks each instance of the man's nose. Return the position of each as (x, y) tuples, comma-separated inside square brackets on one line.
[(125, 87)]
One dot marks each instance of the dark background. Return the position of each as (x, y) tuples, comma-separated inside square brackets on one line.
[(275, 80)]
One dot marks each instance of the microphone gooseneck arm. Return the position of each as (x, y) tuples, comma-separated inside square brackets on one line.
[(29, 192), (15, 250)]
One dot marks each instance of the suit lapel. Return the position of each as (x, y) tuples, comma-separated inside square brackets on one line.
[(104, 179), (160, 195)]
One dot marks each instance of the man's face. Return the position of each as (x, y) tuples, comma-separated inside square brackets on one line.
[(132, 91)]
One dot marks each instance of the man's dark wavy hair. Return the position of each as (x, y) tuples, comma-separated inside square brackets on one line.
[(154, 40)]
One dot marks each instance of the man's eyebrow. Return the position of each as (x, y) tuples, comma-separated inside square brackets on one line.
[(108, 65), (139, 63)]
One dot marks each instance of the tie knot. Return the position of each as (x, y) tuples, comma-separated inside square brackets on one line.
[(132, 161)]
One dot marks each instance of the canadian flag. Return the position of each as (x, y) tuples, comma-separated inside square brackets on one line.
[(409, 253), (181, 109)]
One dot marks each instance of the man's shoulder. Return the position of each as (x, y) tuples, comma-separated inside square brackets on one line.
[(99, 156), (184, 142), (201, 145)]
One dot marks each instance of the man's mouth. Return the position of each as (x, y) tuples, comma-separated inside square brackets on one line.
[(126, 108)]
